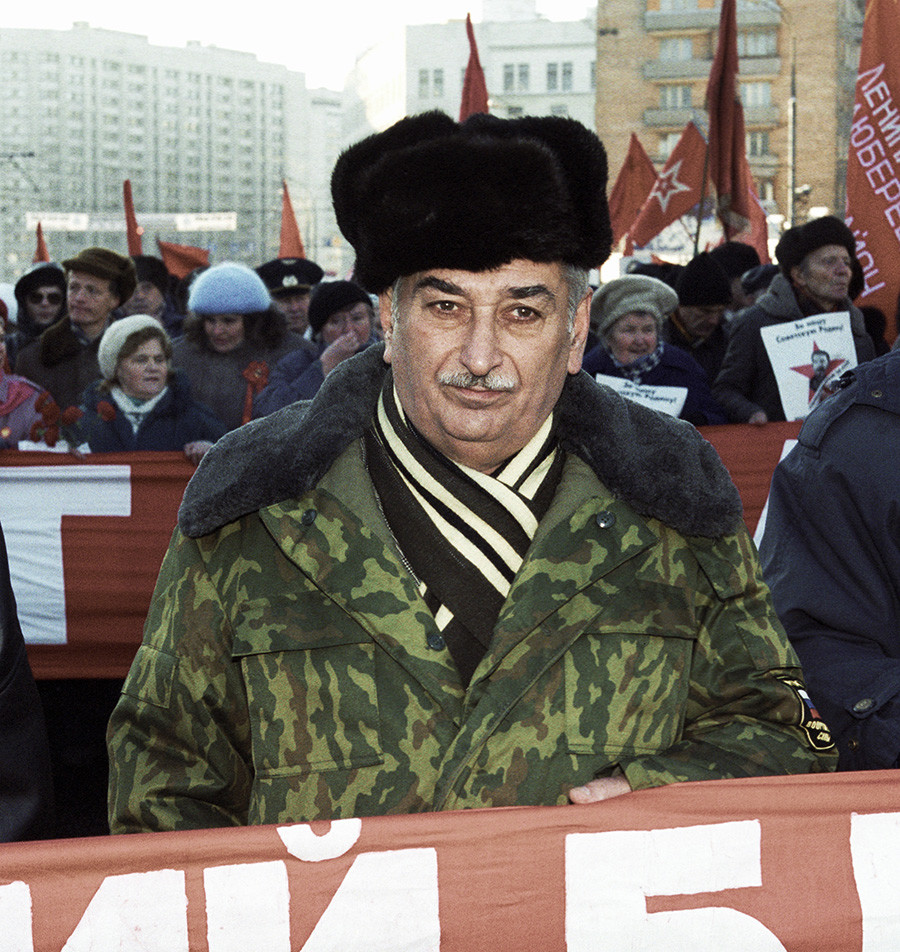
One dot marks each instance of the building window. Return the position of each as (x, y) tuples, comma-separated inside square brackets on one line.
[(675, 97), (757, 43), (676, 48), (593, 74), (437, 80), (567, 77), (560, 110), (677, 6), (523, 77), (424, 80), (513, 111), (552, 77), (755, 95), (757, 143), (667, 143), (509, 78)]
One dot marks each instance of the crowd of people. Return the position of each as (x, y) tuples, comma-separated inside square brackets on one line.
[(463, 572)]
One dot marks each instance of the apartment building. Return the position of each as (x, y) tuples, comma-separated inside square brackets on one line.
[(654, 58)]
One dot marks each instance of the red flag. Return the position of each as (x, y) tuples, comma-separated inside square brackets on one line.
[(633, 184), (873, 167), (728, 166), (677, 189), (132, 229), (291, 243), (180, 260), (474, 92), (40, 252)]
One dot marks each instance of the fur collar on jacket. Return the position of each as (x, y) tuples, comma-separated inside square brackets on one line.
[(59, 343), (659, 465)]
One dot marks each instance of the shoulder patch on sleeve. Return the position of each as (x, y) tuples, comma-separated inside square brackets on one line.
[(810, 721)]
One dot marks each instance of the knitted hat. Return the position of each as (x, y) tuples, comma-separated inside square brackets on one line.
[(42, 275), (332, 296), (631, 294), (152, 269), (735, 257), (289, 275), (228, 288), (116, 336), (103, 263), (758, 278), (429, 192), (702, 283), (797, 242)]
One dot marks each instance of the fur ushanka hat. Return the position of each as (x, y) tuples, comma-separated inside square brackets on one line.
[(797, 242), (429, 192)]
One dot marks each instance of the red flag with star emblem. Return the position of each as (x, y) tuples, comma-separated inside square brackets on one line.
[(633, 183), (474, 93), (677, 190)]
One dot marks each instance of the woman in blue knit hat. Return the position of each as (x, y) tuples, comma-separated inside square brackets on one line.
[(233, 337)]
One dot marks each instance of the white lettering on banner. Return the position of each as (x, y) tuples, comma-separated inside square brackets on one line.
[(610, 875), (387, 901), (666, 399), (248, 907), (15, 914), (875, 848), (33, 500), (300, 840), (136, 912)]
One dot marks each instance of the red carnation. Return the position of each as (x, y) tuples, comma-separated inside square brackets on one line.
[(106, 411), (71, 415)]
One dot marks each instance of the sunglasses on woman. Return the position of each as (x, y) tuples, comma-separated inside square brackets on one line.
[(51, 297)]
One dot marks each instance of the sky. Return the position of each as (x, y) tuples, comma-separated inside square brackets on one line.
[(320, 38)]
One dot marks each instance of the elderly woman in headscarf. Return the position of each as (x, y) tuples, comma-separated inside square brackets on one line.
[(141, 403), (628, 314), (233, 337)]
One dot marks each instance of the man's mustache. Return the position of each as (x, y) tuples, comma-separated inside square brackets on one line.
[(469, 381)]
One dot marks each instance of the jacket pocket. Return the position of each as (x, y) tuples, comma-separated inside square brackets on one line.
[(626, 691), (312, 697)]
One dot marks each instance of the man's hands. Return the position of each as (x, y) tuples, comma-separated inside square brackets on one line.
[(603, 788)]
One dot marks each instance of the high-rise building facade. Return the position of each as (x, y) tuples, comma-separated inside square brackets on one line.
[(205, 136), (654, 58)]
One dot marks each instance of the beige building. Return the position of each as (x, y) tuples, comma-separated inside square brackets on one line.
[(653, 62)]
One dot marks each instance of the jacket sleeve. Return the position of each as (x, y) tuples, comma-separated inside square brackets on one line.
[(831, 553), (734, 383), (179, 747), (746, 714), (26, 796), (297, 376)]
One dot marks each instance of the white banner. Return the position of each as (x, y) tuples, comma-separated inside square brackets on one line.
[(665, 399)]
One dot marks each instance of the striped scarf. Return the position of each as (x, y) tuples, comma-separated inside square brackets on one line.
[(462, 534)]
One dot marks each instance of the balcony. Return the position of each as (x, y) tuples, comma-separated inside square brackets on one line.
[(708, 19)]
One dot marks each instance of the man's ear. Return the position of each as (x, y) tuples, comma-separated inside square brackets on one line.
[(580, 330), (386, 317)]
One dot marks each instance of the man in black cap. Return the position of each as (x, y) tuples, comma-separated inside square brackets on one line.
[(697, 324), (63, 359), (152, 294), (735, 258), (464, 574), (290, 282), (816, 262)]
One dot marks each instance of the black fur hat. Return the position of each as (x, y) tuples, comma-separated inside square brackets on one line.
[(797, 242), (430, 192)]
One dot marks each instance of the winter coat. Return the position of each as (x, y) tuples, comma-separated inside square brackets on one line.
[(59, 361), (175, 421), (746, 383), (831, 553), (709, 353), (675, 369), (286, 673), (26, 794), (217, 380), (22, 411)]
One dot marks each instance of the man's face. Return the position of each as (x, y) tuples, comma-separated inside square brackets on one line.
[(700, 322), (356, 320), (90, 301), (824, 276), (294, 306), (147, 299), (480, 359)]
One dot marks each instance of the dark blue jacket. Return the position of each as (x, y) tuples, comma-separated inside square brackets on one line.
[(831, 555), (174, 421), (676, 368)]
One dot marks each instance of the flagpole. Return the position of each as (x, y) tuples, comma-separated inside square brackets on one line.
[(792, 137), (702, 196)]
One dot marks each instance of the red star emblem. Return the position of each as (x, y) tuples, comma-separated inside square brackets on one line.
[(668, 185)]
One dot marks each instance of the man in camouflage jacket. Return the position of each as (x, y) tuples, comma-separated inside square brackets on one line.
[(295, 666)]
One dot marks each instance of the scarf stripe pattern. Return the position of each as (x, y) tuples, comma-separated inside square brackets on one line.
[(462, 533)]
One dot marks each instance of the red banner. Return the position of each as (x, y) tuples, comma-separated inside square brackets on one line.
[(762, 865), (86, 538), (474, 91), (632, 186), (290, 243), (873, 162)]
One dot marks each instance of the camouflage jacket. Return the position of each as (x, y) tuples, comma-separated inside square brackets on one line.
[(286, 673)]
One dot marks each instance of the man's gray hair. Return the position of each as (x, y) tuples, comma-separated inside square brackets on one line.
[(577, 285)]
